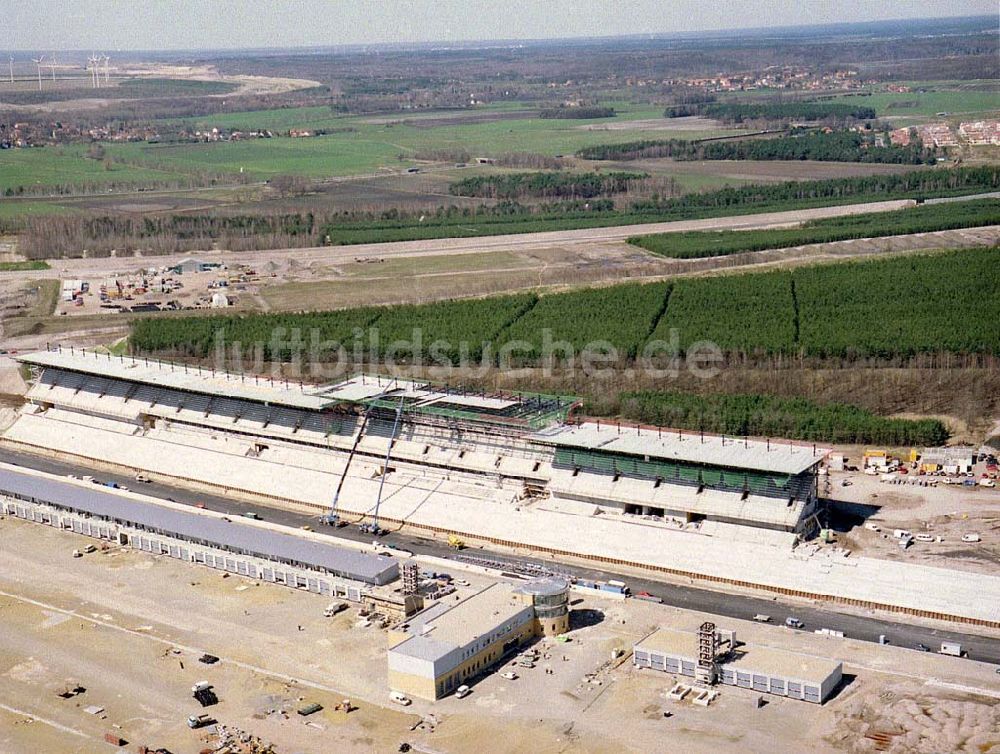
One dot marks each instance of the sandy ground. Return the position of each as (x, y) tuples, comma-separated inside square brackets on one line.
[(245, 84), (129, 627), (945, 511)]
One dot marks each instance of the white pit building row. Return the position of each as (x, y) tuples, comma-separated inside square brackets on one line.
[(237, 547)]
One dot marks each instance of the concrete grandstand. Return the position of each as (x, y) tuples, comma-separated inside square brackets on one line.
[(514, 469)]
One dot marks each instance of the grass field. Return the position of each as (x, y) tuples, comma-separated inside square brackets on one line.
[(929, 103), (13, 210), (147, 87), (374, 145), (22, 266), (67, 165)]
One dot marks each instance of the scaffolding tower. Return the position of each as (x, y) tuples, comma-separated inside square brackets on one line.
[(708, 648), (411, 577)]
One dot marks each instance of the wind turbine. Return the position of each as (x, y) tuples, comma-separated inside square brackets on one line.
[(38, 64), (52, 65), (94, 76), (10, 61), (107, 69)]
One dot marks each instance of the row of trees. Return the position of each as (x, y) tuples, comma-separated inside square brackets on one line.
[(837, 146), (771, 416), (921, 219), (61, 236), (740, 112), (577, 113), (544, 185)]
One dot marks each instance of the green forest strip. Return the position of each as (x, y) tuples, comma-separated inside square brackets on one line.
[(884, 309), (769, 416), (838, 146), (921, 219)]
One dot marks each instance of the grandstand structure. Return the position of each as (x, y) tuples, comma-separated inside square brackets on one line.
[(517, 448), (509, 470)]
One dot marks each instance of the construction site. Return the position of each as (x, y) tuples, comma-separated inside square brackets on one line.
[(496, 546)]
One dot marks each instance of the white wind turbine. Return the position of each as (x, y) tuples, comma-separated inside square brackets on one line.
[(38, 64), (107, 69), (52, 65), (10, 61), (95, 80)]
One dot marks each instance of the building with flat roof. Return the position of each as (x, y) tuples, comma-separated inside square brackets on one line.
[(254, 550), (762, 669), (443, 647)]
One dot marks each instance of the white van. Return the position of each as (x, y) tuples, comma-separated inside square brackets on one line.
[(462, 691)]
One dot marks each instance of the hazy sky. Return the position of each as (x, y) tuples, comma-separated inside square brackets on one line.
[(200, 24)]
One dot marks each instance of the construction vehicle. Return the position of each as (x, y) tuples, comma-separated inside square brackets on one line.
[(333, 518), (373, 528), (455, 542)]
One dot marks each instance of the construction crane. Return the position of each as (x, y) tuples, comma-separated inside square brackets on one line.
[(333, 518), (373, 527)]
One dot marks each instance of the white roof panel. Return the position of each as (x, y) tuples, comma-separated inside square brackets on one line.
[(713, 450), (179, 377), (476, 401)]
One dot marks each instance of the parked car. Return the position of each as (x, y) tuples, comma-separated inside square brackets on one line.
[(400, 698), (922, 648), (794, 623), (510, 675), (208, 659), (254, 516), (462, 691)]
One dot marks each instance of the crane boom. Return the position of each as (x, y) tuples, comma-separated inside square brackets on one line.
[(332, 518), (385, 467)]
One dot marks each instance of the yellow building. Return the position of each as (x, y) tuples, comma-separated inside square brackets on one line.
[(446, 646)]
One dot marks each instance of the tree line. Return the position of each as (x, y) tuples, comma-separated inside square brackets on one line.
[(837, 146), (741, 112), (921, 219), (577, 113), (544, 185), (742, 415)]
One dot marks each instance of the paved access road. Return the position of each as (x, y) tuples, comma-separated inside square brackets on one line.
[(866, 628)]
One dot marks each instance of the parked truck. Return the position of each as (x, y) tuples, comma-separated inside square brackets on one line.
[(954, 649)]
